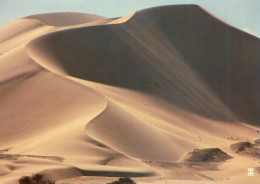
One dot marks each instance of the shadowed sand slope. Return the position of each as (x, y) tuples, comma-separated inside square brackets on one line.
[(82, 95), (180, 54)]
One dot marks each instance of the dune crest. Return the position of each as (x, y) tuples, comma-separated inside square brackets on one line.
[(65, 18)]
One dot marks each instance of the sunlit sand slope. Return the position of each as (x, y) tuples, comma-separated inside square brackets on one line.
[(65, 19)]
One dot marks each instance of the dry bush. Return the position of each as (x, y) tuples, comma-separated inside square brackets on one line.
[(123, 181), (34, 179)]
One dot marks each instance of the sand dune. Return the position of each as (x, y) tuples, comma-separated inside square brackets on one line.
[(212, 71), (83, 95)]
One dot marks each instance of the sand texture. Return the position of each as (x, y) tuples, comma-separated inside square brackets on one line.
[(159, 95)]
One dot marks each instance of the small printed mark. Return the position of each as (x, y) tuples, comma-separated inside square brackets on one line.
[(250, 172)]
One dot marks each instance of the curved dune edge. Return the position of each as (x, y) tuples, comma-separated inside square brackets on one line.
[(123, 19), (158, 123), (57, 19), (32, 161)]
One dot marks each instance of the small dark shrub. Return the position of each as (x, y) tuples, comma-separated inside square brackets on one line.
[(25, 180), (207, 155), (34, 179), (241, 146), (37, 178), (123, 181)]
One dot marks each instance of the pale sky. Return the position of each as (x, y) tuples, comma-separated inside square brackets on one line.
[(243, 14)]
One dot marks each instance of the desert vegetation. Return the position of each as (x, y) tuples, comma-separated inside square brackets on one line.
[(247, 148), (34, 179), (123, 181), (207, 155)]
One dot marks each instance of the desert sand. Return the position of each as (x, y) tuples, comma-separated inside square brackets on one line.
[(88, 99)]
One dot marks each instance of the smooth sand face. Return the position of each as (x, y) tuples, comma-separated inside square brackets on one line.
[(82, 95)]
